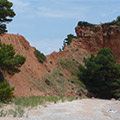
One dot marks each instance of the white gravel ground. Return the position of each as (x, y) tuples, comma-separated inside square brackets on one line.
[(85, 109)]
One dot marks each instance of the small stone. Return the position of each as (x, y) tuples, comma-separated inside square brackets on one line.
[(113, 99), (93, 98)]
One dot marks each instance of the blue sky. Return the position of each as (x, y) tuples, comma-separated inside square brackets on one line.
[(46, 23)]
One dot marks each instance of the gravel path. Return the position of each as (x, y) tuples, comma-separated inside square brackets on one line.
[(85, 109)]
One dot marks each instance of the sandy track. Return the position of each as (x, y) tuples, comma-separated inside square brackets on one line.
[(86, 109)]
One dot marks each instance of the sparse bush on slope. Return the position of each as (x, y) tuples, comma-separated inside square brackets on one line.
[(40, 56)]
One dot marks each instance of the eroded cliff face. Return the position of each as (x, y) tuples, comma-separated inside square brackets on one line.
[(30, 71), (100, 36), (31, 80)]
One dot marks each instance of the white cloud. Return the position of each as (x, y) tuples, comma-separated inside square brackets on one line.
[(19, 5), (57, 13), (26, 8), (47, 46)]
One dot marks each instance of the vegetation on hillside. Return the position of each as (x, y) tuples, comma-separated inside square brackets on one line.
[(6, 92), (9, 62), (56, 81), (34, 101), (67, 41), (117, 22), (72, 67), (85, 24), (101, 74), (6, 14), (40, 56)]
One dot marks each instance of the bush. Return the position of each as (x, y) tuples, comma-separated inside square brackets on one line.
[(85, 24), (40, 56), (117, 22), (101, 74), (6, 92), (71, 66)]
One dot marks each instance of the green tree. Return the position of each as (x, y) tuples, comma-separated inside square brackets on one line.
[(9, 62), (85, 24), (6, 92), (118, 20), (101, 74), (6, 14), (68, 40)]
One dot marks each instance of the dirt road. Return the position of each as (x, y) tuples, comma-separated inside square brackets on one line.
[(85, 109)]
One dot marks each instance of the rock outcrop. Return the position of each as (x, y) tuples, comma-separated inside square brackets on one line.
[(100, 36)]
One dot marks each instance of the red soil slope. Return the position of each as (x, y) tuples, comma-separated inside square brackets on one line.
[(32, 72)]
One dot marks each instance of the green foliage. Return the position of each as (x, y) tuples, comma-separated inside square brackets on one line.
[(67, 41), (69, 38), (101, 74), (3, 113), (57, 81), (8, 60), (71, 66), (34, 101), (40, 56), (6, 92), (17, 112), (6, 14), (117, 22), (85, 24)]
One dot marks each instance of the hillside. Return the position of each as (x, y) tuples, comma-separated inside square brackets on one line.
[(58, 74)]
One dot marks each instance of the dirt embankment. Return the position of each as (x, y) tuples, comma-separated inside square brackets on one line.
[(31, 79)]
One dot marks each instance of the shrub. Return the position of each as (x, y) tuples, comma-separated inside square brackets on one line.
[(40, 56), (57, 81), (117, 22), (101, 74), (71, 66), (6, 92), (85, 24)]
